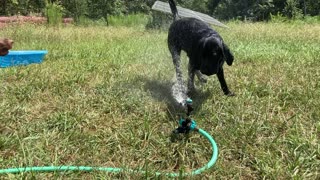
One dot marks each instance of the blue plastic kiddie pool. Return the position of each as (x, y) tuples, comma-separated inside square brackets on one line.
[(15, 58)]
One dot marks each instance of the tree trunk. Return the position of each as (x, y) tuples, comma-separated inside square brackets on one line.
[(107, 19), (304, 8), (4, 7)]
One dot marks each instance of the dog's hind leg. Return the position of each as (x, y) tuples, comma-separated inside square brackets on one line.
[(202, 78)]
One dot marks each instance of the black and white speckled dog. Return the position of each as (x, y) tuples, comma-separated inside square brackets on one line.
[(204, 47)]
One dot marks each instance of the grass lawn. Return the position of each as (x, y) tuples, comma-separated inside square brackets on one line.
[(102, 98)]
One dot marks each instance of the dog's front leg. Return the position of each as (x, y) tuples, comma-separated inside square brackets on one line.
[(223, 83), (177, 65), (179, 89), (191, 74)]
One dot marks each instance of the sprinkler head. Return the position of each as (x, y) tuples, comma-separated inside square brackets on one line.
[(189, 106), (189, 101), (186, 102)]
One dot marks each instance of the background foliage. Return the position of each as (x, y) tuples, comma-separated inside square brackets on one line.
[(256, 10)]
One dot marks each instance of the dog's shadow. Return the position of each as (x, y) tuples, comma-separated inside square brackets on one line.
[(162, 91)]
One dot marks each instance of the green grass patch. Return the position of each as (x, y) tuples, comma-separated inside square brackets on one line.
[(131, 20), (102, 98)]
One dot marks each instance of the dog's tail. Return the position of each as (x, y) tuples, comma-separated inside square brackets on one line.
[(174, 9)]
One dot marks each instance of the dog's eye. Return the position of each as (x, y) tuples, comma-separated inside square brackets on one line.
[(214, 53)]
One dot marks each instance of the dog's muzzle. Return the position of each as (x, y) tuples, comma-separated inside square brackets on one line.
[(209, 72)]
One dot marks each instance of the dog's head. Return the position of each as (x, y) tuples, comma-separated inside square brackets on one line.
[(5, 45), (213, 52)]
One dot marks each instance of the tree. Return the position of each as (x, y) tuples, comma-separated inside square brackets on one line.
[(136, 6), (291, 9), (228, 9), (262, 10), (196, 5), (75, 8), (222, 9), (212, 5), (312, 7), (24, 7)]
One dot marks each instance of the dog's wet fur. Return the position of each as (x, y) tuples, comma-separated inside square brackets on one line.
[(204, 47), (5, 46)]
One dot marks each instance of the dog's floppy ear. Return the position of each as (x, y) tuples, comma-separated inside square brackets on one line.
[(200, 47), (227, 54)]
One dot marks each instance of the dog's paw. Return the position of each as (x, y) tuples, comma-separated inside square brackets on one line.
[(230, 94), (203, 79)]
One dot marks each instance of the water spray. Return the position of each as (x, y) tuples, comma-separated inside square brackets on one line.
[(179, 93)]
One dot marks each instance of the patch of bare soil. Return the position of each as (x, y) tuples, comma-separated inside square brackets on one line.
[(5, 20)]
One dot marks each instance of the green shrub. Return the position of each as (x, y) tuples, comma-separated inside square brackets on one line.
[(159, 20), (54, 12), (292, 11), (85, 21), (278, 18), (128, 20)]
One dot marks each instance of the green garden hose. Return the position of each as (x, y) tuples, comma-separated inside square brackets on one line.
[(116, 170)]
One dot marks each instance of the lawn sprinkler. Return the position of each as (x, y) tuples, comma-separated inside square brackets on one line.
[(186, 125)]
